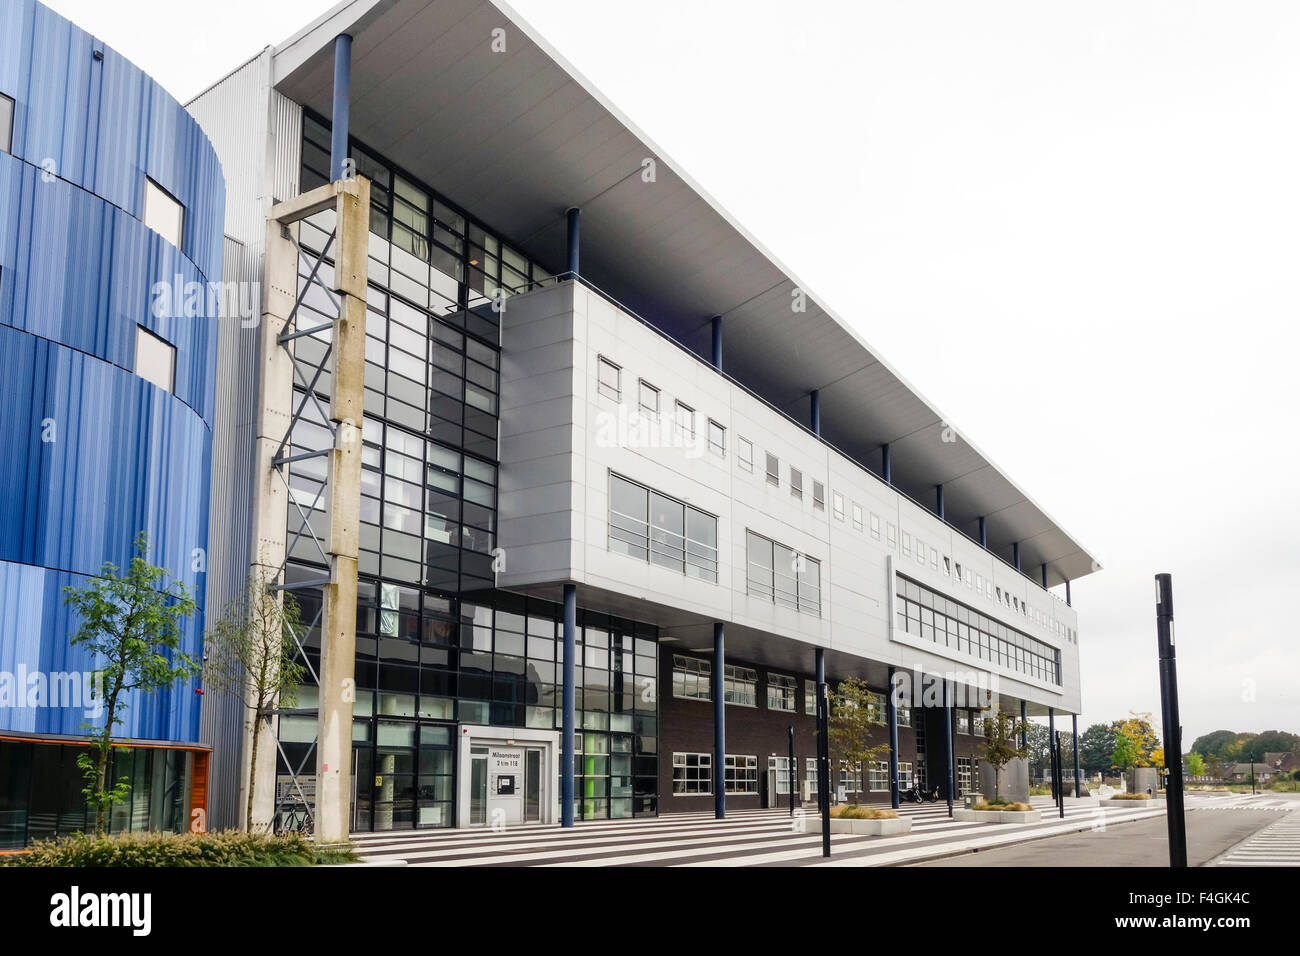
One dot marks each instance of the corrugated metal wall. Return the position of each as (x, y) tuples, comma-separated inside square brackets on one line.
[(94, 453), (257, 133)]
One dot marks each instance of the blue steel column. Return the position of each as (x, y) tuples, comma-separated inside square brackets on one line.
[(938, 501), (1051, 737), (886, 471), (1044, 567), (947, 740), (1015, 554), (1024, 720), (719, 724), (573, 216), (891, 714), (717, 342), (342, 101), (984, 533), (816, 413), (570, 701), (1074, 726), (1067, 594)]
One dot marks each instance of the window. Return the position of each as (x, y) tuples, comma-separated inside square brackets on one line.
[(773, 470), (740, 774), (740, 685), (857, 517), (155, 359), (781, 692), (893, 536), (905, 775), (686, 420), (652, 527), (691, 676), (692, 773), (838, 509), (162, 213), (977, 723), (781, 766), (648, 398), (796, 483), (878, 775), (903, 715), (907, 545), (963, 722), (875, 526), (819, 496), (810, 698), (920, 552), (717, 438), (934, 558), (782, 574), (876, 707), (850, 777), (6, 123), (609, 381), (745, 453), (965, 768)]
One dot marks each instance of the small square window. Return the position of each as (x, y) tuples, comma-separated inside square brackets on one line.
[(609, 379), (745, 453), (6, 123), (796, 483), (717, 438), (163, 214), (648, 398), (155, 359), (773, 470), (819, 496)]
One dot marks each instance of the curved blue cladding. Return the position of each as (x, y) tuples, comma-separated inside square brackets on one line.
[(94, 453)]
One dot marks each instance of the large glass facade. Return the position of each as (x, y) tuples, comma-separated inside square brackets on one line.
[(436, 645)]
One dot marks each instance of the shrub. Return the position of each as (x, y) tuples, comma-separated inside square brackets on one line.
[(1131, 796), (852, 811), (1002, 805), (223, 848)]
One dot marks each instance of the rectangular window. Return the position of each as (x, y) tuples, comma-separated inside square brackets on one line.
[(740, 774), (652, 527), (838, 507), (934, 558), (686, 420), (740, 685), (745, 453), (155, 359), (692, 773), (796, 483), (783, 575), (892, 536), (977, 723), (878, 776), (648, 398), (717, 438), (163, 214), (6, 123), (609, 381), (781, 692), (875, 526), (773, 469), (819, 496), (907, 545), (857, 517), (691, 678), (904, 775), (963, 722), (781, 766), (965, 768), (904, 716)]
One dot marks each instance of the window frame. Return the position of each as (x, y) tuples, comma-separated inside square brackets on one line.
[(143, 334), (642, 387), (154, 192), (604, 389)]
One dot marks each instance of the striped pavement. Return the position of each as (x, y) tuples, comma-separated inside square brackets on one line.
[(1278, 844), (744, 838)]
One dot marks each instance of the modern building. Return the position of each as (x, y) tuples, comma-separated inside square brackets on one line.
[(108, 188), (621, 488)]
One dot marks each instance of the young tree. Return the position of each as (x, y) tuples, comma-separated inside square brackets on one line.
[(1125, 755), (1001, 743), (132, 622), (855, 712), (1137, 728), (1195, 765), (251, 654), (1096, 745)]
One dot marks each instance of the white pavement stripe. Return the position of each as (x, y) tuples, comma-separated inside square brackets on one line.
[(1278, 844)]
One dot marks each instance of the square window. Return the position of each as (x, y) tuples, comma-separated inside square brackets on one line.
[(155, 359), (648, 398), (609, 379), (745, 453), (162, 213)]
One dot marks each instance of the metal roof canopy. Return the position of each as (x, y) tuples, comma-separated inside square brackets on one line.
[(519, 136)]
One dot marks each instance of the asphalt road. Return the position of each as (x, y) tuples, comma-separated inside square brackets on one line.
[(1144, 843)]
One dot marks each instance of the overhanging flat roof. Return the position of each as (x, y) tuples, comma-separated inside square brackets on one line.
[(519, 136)]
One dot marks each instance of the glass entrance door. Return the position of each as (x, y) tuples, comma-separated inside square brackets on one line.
[(533, 786), (478, 775)]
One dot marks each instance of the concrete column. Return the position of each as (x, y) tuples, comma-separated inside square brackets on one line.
[(719, 723), (343, 510), (342, 104), (891, 716), (569, 704), (573, 218)]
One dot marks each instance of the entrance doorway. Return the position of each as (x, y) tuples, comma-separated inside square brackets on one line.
[(505, 785)]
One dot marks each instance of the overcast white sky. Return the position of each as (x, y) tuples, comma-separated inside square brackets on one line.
[(1074, 227)]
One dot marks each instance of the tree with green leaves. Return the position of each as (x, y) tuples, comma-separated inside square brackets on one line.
[(1137, 728), (251, 653), (1096, 746), (1001, 743), (855, 713), (132, 623), (1195, 765), (1126, 753)]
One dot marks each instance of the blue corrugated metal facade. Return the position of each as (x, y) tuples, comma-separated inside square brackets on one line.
[(93, 452)]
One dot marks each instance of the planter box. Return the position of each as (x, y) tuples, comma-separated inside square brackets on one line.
[(863, 827), (1136, 804), (998, 816)]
